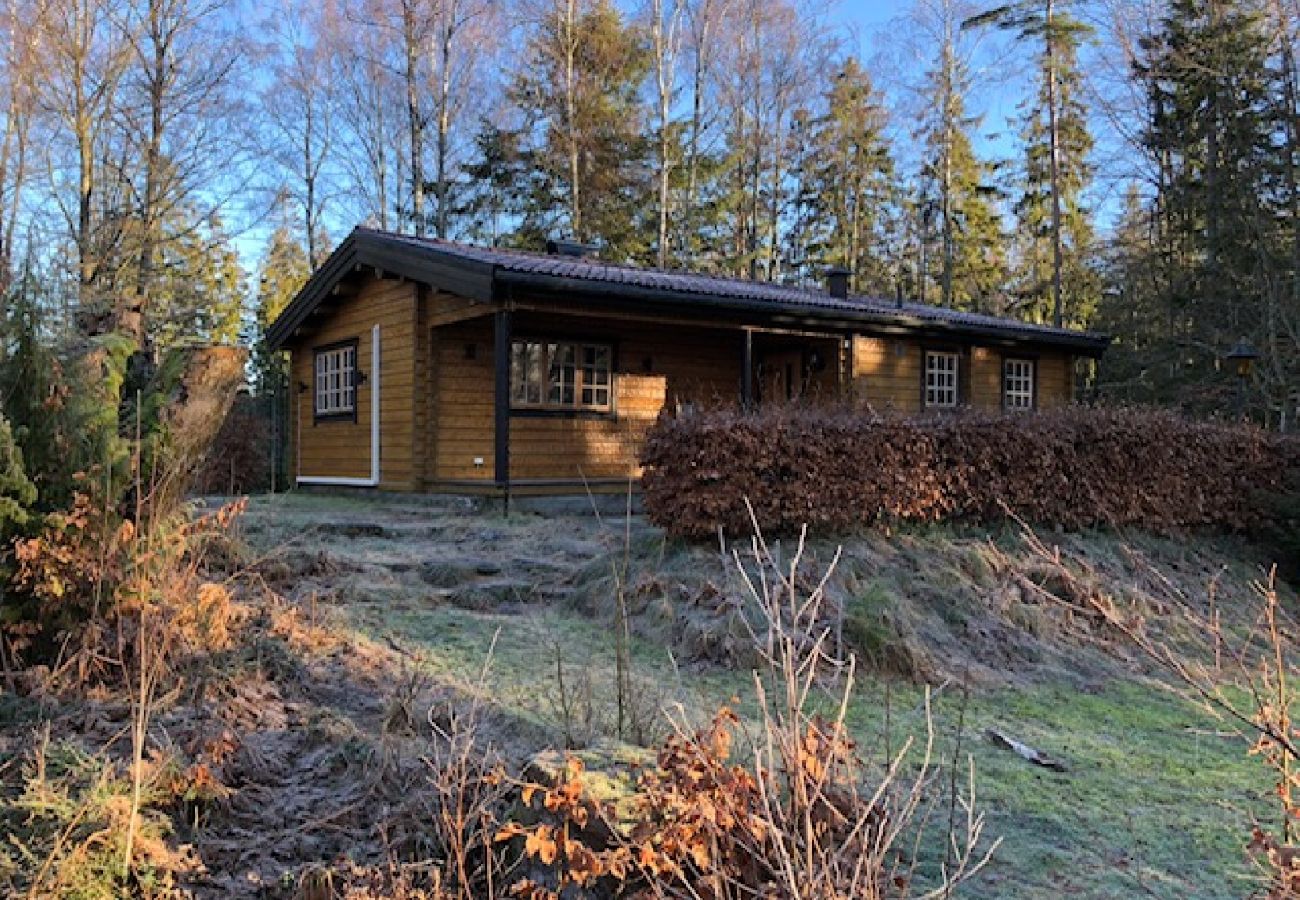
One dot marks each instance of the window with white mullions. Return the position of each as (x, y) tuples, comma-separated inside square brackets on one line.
[(336, 377), (1018, 383), (561, 376), (941, 370), (596, 371)]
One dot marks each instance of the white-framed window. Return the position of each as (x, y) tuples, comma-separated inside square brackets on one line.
[(1018, 383), (941, 369), (336, 380), (561, 375)]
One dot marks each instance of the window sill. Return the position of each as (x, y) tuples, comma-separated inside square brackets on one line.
[(350, 416), (529, 413)]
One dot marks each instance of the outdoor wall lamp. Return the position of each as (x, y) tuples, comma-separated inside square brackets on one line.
[(1243, 357)]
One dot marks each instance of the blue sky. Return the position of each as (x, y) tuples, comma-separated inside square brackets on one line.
[(880, 33), (1004, 76)]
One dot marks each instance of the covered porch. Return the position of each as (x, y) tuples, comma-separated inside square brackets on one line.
[(540, 400)]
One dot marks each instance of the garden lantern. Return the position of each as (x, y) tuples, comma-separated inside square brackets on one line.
[(1243, 357)]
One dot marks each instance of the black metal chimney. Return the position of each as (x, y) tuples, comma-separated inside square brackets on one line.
[(837, 282), (558, 247)]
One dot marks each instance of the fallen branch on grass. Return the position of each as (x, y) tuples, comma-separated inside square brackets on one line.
[(1026, 752)]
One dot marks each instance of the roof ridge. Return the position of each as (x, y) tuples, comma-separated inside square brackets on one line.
[(587, 260), (686, 281)]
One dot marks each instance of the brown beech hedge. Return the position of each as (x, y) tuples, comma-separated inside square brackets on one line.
[(837, 469)]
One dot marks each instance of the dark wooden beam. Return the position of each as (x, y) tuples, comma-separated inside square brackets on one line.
[(747, 371), (501, 405)]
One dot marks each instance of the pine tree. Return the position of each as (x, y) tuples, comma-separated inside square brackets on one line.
[(1054, 228), (1212, 129), (849, 173), (970, 264), (581, 85)]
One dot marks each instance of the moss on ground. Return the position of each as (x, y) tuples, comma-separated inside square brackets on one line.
[(1157, 800)]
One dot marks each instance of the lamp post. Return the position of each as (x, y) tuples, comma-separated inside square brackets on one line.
[(1242, 357)]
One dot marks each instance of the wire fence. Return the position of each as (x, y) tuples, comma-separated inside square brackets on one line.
[(251, 452)]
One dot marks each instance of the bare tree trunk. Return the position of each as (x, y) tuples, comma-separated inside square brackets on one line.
[(567, 31), (85, 63), (1213, 186), (945, 186), (83, 134), (448, 32), (380, 163), (774, 269), (157, 66), (414, 116), (13, 145), (1053, 139), (699, 75), (309, 219), (665, 52)]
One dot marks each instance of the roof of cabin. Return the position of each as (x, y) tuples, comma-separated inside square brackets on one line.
[(479, 272)]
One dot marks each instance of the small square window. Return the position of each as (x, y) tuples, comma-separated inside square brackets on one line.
[(336, 377), (1018, 383), (941, 370)]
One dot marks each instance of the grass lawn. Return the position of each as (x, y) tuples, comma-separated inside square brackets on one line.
[(1158, 800)]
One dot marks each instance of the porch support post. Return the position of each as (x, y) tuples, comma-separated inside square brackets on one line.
[(501, 405), (747, 372)]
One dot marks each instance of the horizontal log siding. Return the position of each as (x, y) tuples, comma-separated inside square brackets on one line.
[(985, 378), (887, 374), (684, 367), (341, 449), (436, 407), (1055, 380)]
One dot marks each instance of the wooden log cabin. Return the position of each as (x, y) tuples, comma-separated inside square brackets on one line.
[(425, 365)]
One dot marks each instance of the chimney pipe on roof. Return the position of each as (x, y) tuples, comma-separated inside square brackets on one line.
[(837, 282), (558, 247)]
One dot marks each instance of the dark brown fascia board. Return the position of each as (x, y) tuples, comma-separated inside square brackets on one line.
[(365, 250), (318, 287), (483, 281), (767, 312)]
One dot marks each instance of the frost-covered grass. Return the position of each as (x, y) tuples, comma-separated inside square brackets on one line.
[(1158, 799)]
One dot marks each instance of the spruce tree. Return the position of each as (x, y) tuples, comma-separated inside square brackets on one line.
[(849, 173), (1212, 130), (580, 89), (199, 287), (970, 266), (282, 272), (1054, 227)]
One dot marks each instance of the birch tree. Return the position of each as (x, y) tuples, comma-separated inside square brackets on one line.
[(702, 18), (765, 69), (299, 110), (666, 23), (368, 107), (83, 58), (18, 104), (179, 118)]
